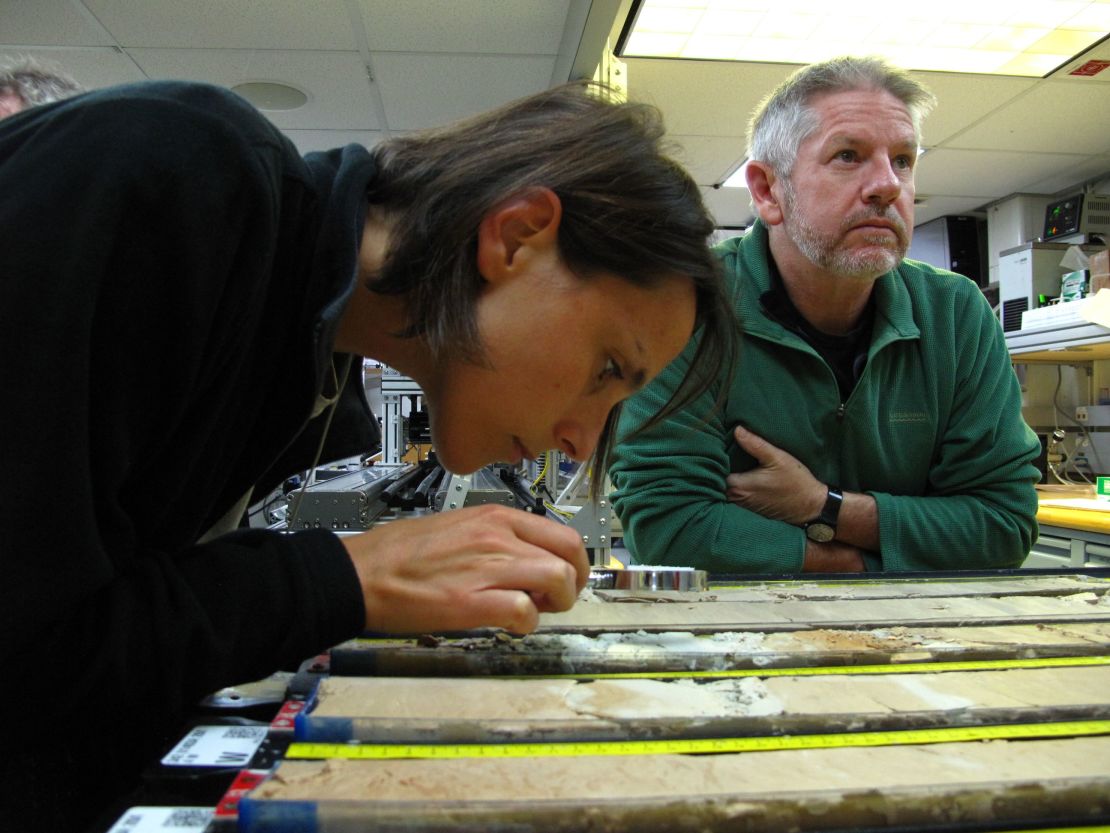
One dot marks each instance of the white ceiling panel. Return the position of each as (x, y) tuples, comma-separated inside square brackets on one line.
[(338, 90), (436, 60), (708, 158), (49, 23), (226, 24), (1069, 116), (704, 98), (425, 90), (94, 67), (1094, 167), (510, 27), (730, 207), (993, 172), (962, 100)]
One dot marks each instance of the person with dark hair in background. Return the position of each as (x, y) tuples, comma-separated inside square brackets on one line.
[(873, 421), (186, 301), (27, 82)]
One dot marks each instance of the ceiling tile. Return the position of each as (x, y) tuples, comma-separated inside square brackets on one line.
[(963, 100), (91, 67), (430, 90), (437, 60), (708, 158), (730, 207), (50, 23), (1054, 117), (707, 98), (338, 89), (944, 171), (510, 27), (1095, 167), (227, 24)]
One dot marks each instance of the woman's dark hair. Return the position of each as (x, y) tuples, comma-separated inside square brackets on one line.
[(629, 210)]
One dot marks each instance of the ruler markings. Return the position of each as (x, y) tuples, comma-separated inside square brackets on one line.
[(701, 746)]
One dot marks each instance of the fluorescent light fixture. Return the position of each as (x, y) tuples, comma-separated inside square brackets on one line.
[(994, 37), (738, 178)]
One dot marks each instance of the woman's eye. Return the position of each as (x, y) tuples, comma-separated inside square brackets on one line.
[(612, 371)]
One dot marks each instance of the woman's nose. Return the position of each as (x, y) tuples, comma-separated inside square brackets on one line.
[(577, 435)]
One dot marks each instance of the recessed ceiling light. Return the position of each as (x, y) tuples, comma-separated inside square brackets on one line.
[(267, 95), (997, 37)]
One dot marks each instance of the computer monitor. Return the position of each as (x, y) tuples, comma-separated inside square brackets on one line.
[(1079, 215)]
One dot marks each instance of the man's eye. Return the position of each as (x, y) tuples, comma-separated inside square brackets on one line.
[(846, 156)]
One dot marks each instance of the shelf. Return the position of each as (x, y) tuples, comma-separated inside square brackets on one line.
[(1067, 343)]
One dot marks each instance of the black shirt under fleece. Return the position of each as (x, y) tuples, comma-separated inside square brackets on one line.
[(171, 275)]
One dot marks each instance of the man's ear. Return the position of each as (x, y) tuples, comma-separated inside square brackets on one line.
[(761, 181), (10, 104), (514, 229)]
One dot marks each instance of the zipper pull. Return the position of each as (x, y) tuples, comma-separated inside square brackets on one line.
[(840, 411)]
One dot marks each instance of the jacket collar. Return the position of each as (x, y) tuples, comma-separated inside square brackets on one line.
[(746, 260)]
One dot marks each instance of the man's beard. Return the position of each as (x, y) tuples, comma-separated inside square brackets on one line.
[(880, 256)]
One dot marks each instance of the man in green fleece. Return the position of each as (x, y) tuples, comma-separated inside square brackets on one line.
[(872, 419)]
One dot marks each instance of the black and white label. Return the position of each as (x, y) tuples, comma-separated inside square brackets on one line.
[(224, 746), (163, 819)]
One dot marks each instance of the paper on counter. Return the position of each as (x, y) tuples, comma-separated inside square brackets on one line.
[(1096, 310), (1074, 259)]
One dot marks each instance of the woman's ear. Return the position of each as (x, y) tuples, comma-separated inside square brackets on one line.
[(515, 229), (761, 181)]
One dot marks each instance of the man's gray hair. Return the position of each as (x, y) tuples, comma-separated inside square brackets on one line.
[(36, 82), (785, 118)]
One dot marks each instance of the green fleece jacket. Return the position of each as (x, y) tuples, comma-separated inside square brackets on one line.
[(933, 431)]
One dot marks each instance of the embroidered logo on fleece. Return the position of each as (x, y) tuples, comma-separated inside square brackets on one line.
[(897, 417)]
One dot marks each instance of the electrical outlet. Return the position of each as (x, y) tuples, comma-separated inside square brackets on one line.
[(1081, 414)]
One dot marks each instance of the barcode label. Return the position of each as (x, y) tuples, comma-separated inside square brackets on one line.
[(151, 819), (222, 746)]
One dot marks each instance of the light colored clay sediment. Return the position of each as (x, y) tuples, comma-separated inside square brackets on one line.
[(756, 776), (524, 701)]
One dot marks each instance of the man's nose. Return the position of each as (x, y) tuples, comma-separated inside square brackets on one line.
[(884, 185)]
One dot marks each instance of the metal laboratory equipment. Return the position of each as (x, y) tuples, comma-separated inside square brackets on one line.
[(1027, 273)]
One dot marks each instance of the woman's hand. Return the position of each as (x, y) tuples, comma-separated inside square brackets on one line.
[(483, 566)]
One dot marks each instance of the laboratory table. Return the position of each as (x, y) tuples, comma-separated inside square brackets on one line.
[(961, 702)]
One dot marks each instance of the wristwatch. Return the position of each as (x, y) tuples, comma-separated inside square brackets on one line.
[(823, 528)]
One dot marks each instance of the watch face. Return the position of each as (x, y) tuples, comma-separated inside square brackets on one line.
[(819, 532)]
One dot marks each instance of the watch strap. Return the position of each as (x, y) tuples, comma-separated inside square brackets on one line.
[(830, 514), (823, 528)]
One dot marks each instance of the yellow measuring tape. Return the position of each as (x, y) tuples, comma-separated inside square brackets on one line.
[(698, 746), (887, 580)]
